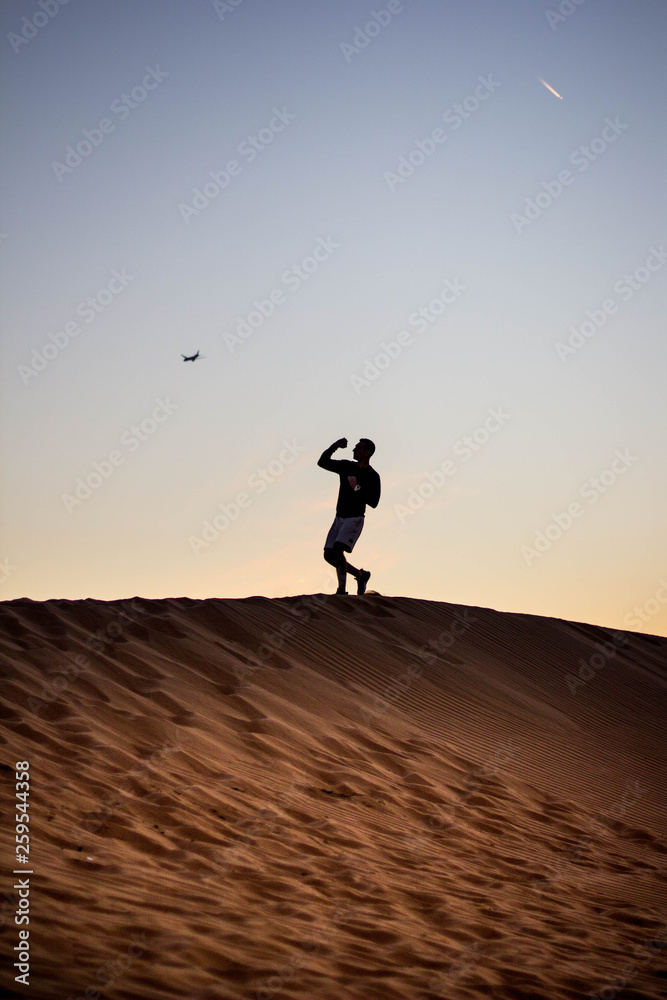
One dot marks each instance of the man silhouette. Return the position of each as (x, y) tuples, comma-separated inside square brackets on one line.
[(359, 485)]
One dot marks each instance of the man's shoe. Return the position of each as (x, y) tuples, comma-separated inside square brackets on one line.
[(362, 580), (343, 592)]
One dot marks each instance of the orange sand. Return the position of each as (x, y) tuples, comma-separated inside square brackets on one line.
[(272, 799)]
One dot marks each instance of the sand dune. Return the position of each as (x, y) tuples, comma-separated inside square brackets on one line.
[(334, 798)]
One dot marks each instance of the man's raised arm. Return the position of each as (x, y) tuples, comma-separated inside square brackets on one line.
[(325, 460), (372, 497)]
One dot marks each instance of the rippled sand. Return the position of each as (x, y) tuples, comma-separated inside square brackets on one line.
[(301, 798)]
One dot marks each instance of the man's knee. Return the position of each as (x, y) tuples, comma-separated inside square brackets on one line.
[(329, 556), (339, 553)]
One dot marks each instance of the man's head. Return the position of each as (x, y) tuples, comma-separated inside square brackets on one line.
[(363, 450)]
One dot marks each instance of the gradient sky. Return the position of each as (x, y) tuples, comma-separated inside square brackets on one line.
[(220, 72)]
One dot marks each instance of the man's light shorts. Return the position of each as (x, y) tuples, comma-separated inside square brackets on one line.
[(345, 530)]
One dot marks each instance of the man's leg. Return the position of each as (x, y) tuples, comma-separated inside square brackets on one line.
[(336, 557), (343, 567), (332, 557)]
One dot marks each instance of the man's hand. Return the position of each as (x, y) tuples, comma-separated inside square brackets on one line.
[(341, 443), (352, 480)]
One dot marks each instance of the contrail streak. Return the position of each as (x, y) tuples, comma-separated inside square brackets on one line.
[(549, 88)]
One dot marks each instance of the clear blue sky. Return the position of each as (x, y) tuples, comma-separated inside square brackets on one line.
[(315, 131)]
